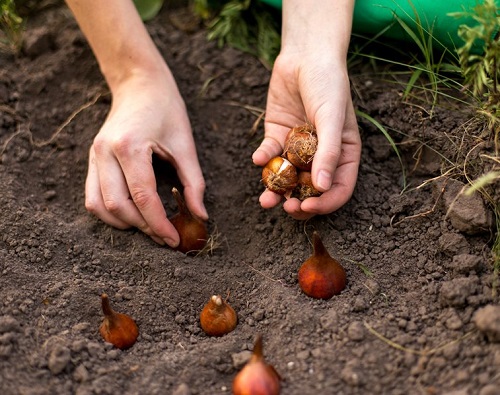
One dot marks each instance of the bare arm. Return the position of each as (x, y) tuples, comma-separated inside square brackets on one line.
[(320, 25), (117, 37), (147, 116)]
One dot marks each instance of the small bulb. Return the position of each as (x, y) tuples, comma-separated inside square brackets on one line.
[(279, 175), (218, 318), (321, 276), (301, 144), (117, 328), (193, 232), (305, 188)]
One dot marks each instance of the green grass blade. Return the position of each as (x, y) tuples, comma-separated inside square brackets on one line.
[(415, 76), (384, 131)]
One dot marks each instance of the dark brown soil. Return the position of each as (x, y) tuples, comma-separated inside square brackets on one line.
[(405, 324)]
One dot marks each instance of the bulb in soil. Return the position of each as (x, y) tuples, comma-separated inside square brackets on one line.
[(217, 317), (257, 377), (321, 276), (193, 232), (117, 328)]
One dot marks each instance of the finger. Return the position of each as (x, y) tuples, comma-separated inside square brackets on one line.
[(328, 202), (268, 149), (293, 208), (327, 154), (139, 175), (94, 202), (269, 199), (116, 196), (345, 175), (341, 144), (194, 194), (158, 240), (341, 190), (191, 177)]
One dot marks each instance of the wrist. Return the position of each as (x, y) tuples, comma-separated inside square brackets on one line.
[(122, 69), (120, 41), (320, 27)]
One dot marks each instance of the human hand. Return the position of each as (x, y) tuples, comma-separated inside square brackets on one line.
[(305, 87), (310, 83), (147, 116)]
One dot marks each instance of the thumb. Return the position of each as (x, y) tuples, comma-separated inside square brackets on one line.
[(268, 149), (327, 154)]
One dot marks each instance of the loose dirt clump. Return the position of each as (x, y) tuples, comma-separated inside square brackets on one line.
[(404, 324)]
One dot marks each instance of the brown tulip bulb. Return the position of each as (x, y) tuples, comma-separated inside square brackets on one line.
[(305, 188), (321, 276), (218, 318), (117, 328), (300, 146), (257, 377), (192, 230), (279, 175)]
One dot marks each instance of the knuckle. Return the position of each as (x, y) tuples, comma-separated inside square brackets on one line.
[(202, 185), (332, 154), (144, 228), (122, 146), (99, 144), (91, 205), (113, 206), (335, 151), (141, 198)]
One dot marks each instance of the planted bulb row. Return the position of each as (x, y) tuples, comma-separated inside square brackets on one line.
[(320, 276)]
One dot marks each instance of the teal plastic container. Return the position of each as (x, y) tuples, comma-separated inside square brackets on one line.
[(373, 16)]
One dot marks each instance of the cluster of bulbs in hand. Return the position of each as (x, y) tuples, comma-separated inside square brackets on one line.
[(289, 175)]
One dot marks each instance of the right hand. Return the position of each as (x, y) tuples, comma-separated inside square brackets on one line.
[(147, 116)]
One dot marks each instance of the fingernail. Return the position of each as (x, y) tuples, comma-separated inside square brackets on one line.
[(255, 157), (171, 242), (324, 180), (158, 240), (205, 214)]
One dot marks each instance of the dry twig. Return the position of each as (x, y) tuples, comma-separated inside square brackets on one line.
[(413, 351)]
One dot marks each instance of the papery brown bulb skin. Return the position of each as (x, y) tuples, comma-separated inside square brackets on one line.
[(305, 188), (257, 377), (321, 276), (301, 144), (192, 230), (117, 328), (218, 318), (279, 175)]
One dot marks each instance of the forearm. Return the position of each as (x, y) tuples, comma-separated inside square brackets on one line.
[(117, 37), (317, 25)]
